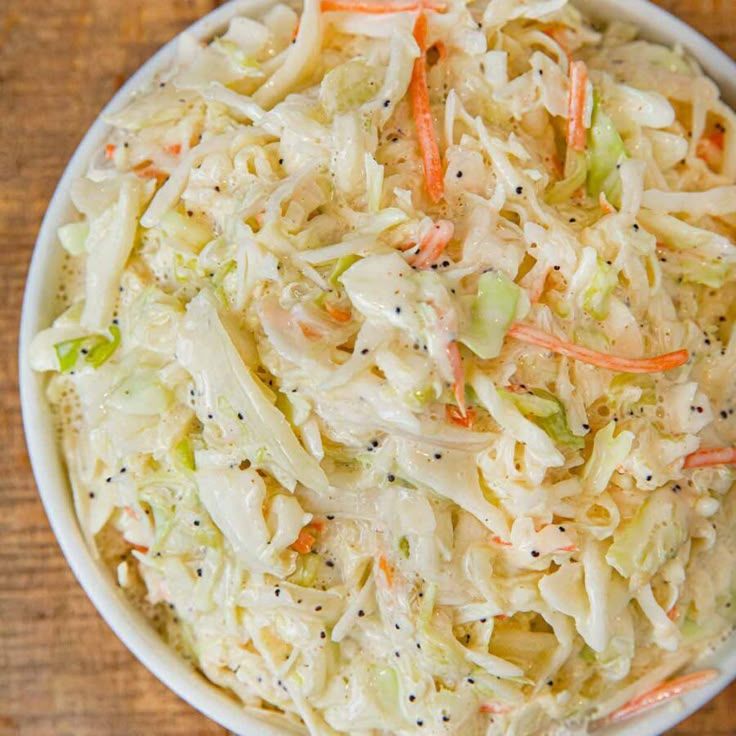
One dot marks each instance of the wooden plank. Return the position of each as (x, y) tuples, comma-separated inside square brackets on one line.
[(62, 671)]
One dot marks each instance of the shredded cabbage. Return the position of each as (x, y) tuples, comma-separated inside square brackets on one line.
[(351, 443)]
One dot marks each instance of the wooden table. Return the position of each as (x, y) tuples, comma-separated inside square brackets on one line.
[(62, 671)]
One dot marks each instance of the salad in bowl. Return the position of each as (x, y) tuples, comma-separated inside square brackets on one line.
[(393, 365)]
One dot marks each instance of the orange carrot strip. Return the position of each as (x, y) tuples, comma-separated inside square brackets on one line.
[(662, 693), (709, 458), (501, 542), (304, 542), (339, 315), (453, 415), (535, 336), (433, 244), (606, 206), (494, 708), (557, 34), (110, 151), (309, 331), (379, 8), (458, 372), (537, 289), (386, 570), (150, 172), (710, 148), (174, 149), (553, 162), (419, 94), (576, 134), (672, 613), (139, 548)]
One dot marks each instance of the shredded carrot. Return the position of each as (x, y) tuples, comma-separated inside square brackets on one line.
[(659, 364), (569, 548), (304, 542), (514, 389), (379, 8), (553, 162), (537, 291), (662, 693), (296, 30), (386, 570), (308, 331), (174, 149), (501, 542), (494, 708), (419, 94), (339, 315), (606, 206), (558, 33), (458, 372), (139, 548), (146, 171), (576, 134), (110, 151), (710, 148), (130, 511), (317, 524), (453, 415), (433, 244), (501, 617), (709, 458), (672, 613)]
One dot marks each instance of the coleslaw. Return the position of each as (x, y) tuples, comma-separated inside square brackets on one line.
[(393, 365)]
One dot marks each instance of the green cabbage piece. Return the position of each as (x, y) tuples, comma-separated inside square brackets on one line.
[(141, 394), (597, 297), (187, 231), (98, 350), (307, 567), (386, 688), (68, 352), (102, 351), (348, 86), (491, 313), (605, 151), (704, 257), (237, 56), (184, 454), (548, 413), (576, 172), (73, 237), (608, 453), (342, 265), (654, 535)]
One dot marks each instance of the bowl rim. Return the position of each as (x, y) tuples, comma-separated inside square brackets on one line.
[(130, 626)]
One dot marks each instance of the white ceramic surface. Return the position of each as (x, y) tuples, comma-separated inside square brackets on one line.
[(130, 625)]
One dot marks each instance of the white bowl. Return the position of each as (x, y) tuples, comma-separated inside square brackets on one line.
[(126, 621)]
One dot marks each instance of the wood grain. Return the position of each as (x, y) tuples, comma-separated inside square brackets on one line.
[(62, 671)]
